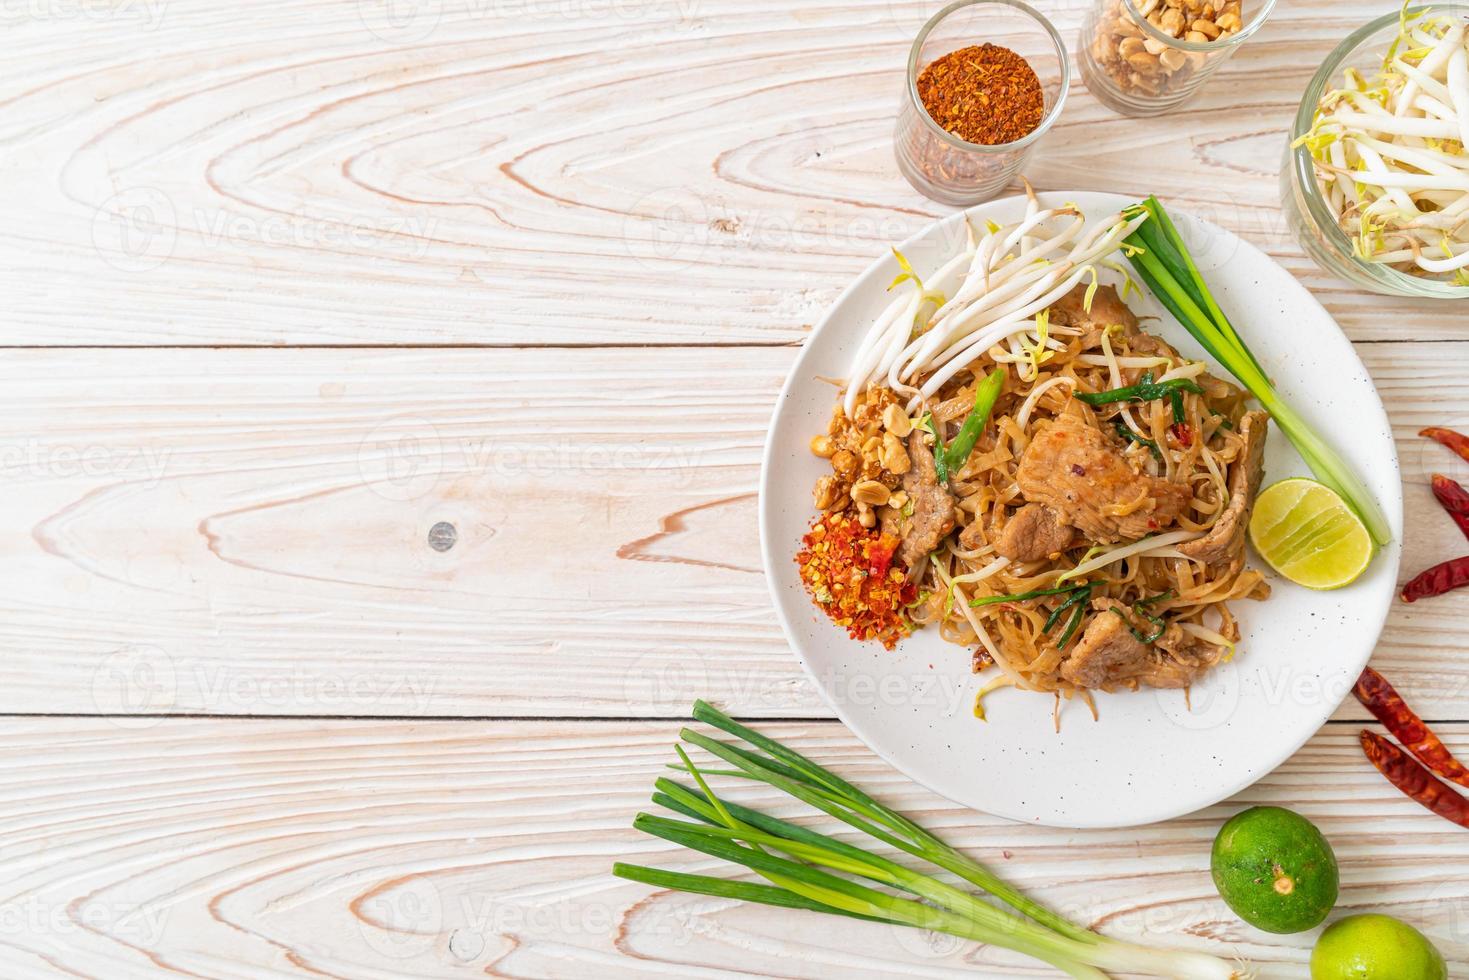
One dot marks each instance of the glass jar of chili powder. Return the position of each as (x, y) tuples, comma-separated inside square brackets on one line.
[(999, 73)]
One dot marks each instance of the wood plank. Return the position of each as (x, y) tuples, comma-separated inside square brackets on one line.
[(248, 532), (228, 849), (575, 173)]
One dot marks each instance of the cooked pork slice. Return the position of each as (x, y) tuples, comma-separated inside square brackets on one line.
[(1226, 539), (933, 508), (973, 536), (1107, 308), (1033, 533), (1188, 651), (1184, 658), (1107, 652), (1108, 656), (1080, 474), (1147, 345)]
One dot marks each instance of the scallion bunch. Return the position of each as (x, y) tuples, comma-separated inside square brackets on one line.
[(806, 869), (1162, 261)]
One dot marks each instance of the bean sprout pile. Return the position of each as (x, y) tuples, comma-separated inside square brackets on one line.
[(1062, 492), (1390, 152), (1000, 282)]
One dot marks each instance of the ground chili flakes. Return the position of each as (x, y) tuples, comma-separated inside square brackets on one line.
[(850, 572), (983, 94)]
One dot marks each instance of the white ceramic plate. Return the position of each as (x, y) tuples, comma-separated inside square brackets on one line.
[(1150, 756)]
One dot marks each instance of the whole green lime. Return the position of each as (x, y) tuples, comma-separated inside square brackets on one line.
[(1375, 947), (1274, 870)]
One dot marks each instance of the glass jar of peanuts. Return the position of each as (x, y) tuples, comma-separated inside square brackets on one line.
[(1144, 57)]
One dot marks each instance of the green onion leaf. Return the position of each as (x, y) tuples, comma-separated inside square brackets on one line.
[(1082, 594), (1154, 600), (1147, 638), (1071, 627), (1145, 390), (1127, 435), (990, 600), (743, 891)]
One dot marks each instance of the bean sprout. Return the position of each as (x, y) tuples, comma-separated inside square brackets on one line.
[(1390, 154), (1013, 273)]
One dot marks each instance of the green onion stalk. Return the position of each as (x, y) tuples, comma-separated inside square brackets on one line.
[(948, 460), (986, 393), (1163, 262), (806, 869)]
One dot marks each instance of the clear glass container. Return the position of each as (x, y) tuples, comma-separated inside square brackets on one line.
[(1133, 63), (1307, 211), (939, 164)]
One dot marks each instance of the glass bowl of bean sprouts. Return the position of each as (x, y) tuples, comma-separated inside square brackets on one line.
[(1375, 181)]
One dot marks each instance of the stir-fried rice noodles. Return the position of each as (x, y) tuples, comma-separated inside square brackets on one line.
[(1127, 515)]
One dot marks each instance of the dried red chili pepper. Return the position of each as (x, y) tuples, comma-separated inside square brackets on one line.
[(1456, 441), (1388, 706), (1182, 433), (1446, 576), (1454, 499), (1414, 780)]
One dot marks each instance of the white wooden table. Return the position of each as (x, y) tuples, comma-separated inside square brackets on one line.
[(295, 292)]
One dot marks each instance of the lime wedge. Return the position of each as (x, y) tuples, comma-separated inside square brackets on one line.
[(1309, 534)]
